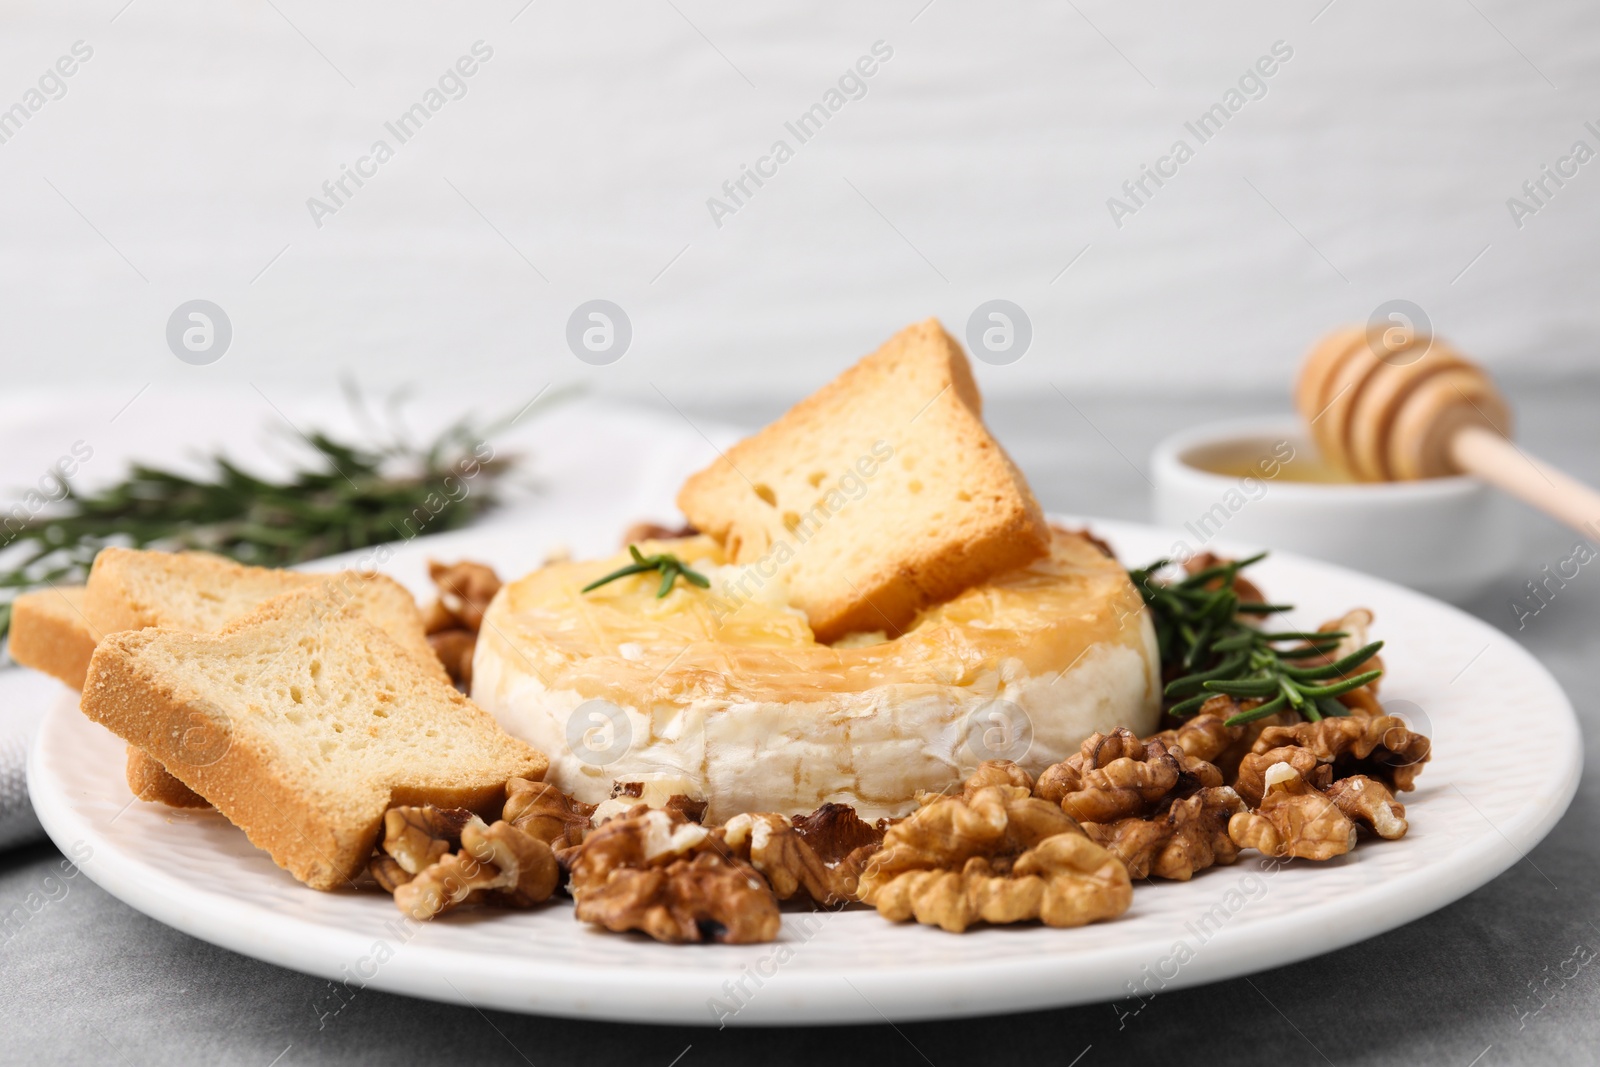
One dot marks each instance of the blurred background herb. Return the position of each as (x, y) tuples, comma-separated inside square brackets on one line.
[(340, 497)]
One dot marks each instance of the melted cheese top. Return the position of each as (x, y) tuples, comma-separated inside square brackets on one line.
[(739, 640)]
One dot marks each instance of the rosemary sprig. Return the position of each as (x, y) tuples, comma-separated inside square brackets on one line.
[(1209, 647), (344, 497), (671, 567)]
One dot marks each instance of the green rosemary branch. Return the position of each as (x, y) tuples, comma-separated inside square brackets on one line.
[(671, 567), (1209, 647), (346, 496)]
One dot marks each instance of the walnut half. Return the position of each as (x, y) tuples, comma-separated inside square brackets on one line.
[(499, 864), (656, 872), (1115, 776), (1204, 736), (452, 621), (993, 854), (465, 589), (1294, 820), (1369, 803), (416, 836), (1189, 837), (809, 853), (545, 812), (1380, 747)]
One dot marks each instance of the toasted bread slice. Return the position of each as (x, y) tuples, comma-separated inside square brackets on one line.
[(130, 589), (302, 723), (153, 783), (50, 633), (878, 495)]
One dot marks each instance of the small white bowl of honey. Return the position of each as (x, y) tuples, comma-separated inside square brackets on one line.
[(1262, 482)]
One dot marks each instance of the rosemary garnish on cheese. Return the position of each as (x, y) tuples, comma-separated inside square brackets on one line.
[(671, 567)]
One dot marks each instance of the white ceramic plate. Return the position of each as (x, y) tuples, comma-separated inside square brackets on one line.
[(1462, 682)]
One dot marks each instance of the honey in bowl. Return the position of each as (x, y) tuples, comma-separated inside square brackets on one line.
[(1280, 460)]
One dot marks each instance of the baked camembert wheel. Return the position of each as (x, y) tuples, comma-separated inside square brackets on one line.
[(724, 695)]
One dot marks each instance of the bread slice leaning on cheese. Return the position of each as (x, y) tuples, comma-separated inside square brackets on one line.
[(302, 723), (880, 494), (130, 589)]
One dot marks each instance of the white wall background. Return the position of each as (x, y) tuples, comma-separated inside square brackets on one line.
[(978, 165)]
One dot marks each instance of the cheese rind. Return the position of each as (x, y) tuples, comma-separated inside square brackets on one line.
[(735, 698)]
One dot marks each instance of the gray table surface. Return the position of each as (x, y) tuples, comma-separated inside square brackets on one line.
[(90, 980)]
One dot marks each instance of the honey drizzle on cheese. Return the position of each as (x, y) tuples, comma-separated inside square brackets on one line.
[(1038, 619)]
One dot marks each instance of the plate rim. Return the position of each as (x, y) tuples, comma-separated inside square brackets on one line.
[(604, 991)]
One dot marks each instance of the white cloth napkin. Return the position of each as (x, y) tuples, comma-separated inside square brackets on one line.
[(27, 696), (590, 468)]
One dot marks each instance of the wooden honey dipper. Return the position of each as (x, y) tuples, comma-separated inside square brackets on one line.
[(1397, 405)]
